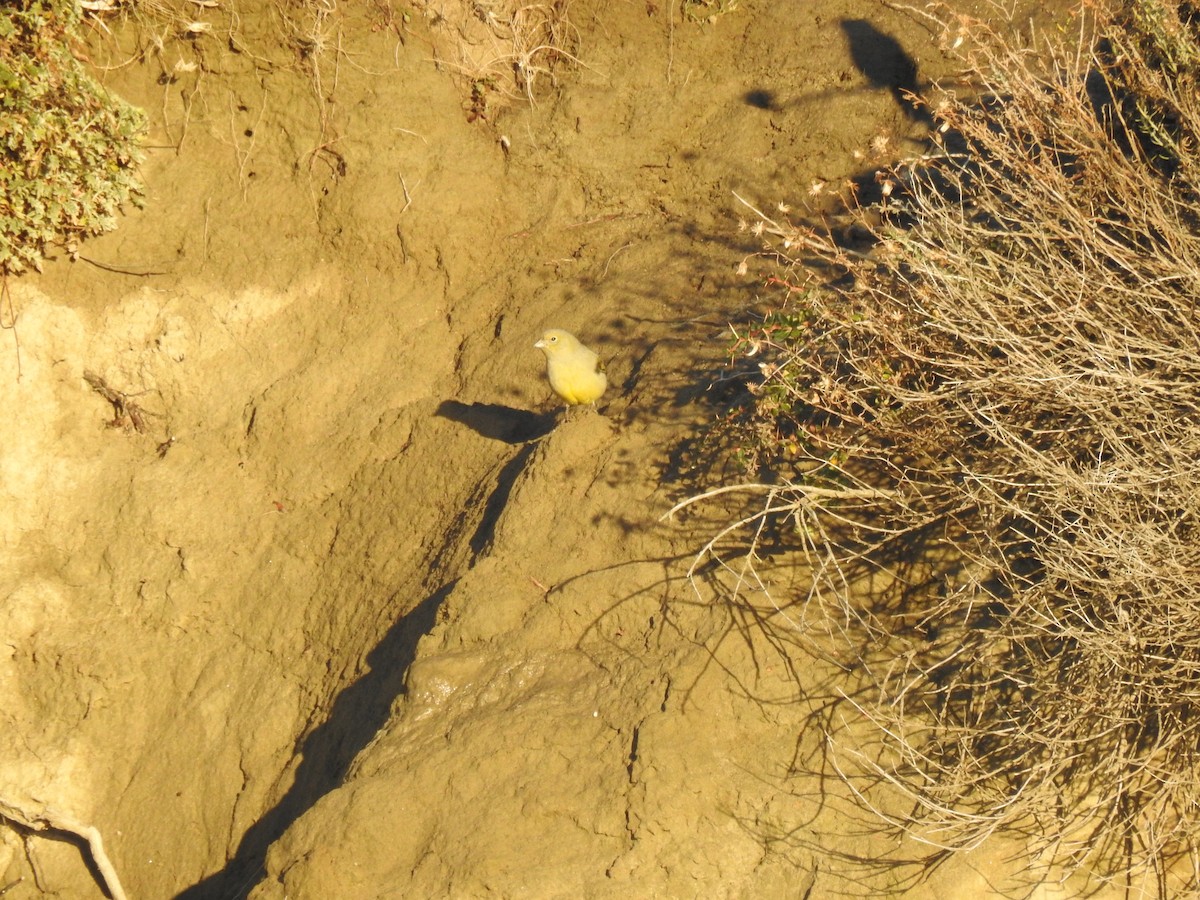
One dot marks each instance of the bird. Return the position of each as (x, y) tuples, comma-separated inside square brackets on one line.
[(576, 373)]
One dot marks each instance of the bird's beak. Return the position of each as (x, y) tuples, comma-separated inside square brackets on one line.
[(540, 345)]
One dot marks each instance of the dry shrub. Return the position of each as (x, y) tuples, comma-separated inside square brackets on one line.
[(994, 404)]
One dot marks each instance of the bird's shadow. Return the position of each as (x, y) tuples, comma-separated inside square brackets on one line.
[(886, 64), (499, 422), (879, 57)]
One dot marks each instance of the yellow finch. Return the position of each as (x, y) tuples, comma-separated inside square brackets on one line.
[(576, 373)]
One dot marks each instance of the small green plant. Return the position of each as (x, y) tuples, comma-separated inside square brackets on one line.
[(805, 397), (69, 150)]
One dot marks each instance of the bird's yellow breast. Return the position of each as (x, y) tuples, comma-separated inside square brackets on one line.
[(577, 381)]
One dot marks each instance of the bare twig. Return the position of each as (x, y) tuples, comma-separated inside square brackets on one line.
[(9, 322)]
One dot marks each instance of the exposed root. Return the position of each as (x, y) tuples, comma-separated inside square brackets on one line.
[(46, 820)]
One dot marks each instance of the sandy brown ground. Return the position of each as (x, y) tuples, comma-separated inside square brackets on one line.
[(358, 616)]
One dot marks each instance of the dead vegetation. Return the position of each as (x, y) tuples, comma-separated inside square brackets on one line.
[(500, 50), (991, 410), (127, 413)]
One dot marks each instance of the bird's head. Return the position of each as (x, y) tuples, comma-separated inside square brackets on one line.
[(555, 341)]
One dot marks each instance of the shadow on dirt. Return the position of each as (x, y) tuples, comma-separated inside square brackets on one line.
[(327, 751), (878, 56), (886, 64), (499, 422)]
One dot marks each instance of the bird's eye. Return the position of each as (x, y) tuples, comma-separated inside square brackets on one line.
[(554, 339)]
